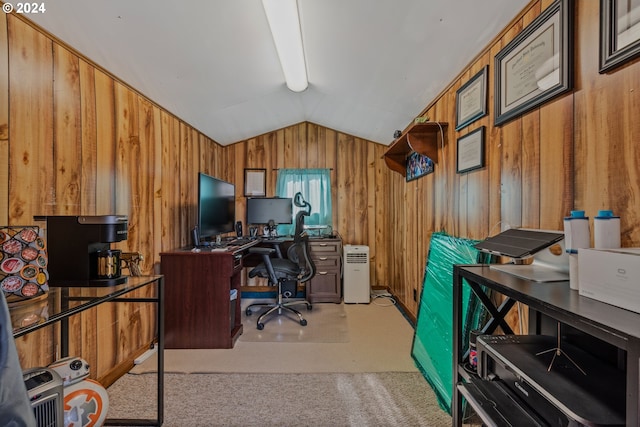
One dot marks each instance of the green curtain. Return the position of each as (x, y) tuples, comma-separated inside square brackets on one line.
[(315, 186)]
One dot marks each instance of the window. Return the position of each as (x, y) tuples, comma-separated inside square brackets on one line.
[(315, 186)]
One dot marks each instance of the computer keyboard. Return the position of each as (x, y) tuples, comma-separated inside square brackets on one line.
[(239, 241)]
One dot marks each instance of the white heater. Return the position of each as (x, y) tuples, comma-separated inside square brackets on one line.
[(45, 389), (357, 288)]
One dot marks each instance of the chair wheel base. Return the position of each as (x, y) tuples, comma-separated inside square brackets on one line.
[(260, 326), (303, 322)]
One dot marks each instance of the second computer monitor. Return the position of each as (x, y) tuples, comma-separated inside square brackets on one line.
[(261, 210)]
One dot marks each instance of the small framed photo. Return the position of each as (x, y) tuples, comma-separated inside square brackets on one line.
[(537, 65), (255, 182), (418, 165), (471, 99), (619, 32), (470, 151)]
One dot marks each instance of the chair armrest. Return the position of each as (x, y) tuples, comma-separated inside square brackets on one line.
[(261, 251)]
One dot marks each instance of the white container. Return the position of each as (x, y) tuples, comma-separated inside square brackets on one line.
[(611, 276), (606, 230), (576, 236)]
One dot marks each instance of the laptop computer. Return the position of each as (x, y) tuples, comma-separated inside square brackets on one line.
[(519, 243), (547, 265)]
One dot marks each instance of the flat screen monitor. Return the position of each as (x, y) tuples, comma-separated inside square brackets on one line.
[(216, 206), (262, 209)]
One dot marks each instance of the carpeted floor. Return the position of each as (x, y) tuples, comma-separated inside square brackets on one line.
[(326, 323), (379, 341), (339, 399), (369, 380)]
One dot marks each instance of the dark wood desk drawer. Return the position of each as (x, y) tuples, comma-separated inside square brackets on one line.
[(326, 285), (325, 247), (326, 263)]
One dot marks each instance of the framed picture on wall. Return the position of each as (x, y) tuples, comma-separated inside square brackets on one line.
[(255, 182), (619, 32), (470, 151), (471, 99), (418, 165), (537, 65)]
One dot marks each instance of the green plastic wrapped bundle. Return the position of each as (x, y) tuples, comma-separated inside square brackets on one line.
[(432, 348)]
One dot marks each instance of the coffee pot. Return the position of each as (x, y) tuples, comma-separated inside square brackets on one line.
[(79, 249)]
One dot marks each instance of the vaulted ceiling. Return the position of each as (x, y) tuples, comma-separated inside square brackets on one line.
[(372, 65)]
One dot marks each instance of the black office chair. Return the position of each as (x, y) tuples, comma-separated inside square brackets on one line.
[(286, 273)]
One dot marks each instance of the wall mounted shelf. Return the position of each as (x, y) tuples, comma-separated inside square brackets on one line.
[(419, 137)]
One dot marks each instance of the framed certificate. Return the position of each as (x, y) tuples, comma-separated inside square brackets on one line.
[(619, 32), (471, 100), (470, 151), (255, 182), (537, 65)]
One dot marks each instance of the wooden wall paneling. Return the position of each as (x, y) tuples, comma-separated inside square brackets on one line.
[(463, 197), (4, 121), (151, 236), (277, 142), (330, 142), (346, 196), (126, 119), (530, 157), (67, 163), (105, 161), (273, 159), (511, 175), (493, 155), (188, 179), (31, 176), (477, 217), (67, 132), (379, 254), (155, 230), (407, 242), (531, 169), (414, 192), (392, 236), (626, 189), (170, 163), (30, 155), (360, 184), (312, 149), (88, 138), (133, 127), (446, 180), (148, 174), (510, 162), (242, 153), (207, 164), (371, 186), (300, 144), (463, 179), (452, 210), (556, 162), (290, 158)]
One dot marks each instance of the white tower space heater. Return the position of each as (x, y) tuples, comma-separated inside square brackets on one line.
[(357, 288)]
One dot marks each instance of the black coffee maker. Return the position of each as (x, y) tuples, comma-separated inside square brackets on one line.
[(79, 249)]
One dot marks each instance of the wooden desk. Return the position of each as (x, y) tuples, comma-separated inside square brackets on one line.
[(198, 309), (614, 326)]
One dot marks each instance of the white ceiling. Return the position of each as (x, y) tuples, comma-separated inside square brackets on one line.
[(373, 65)]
